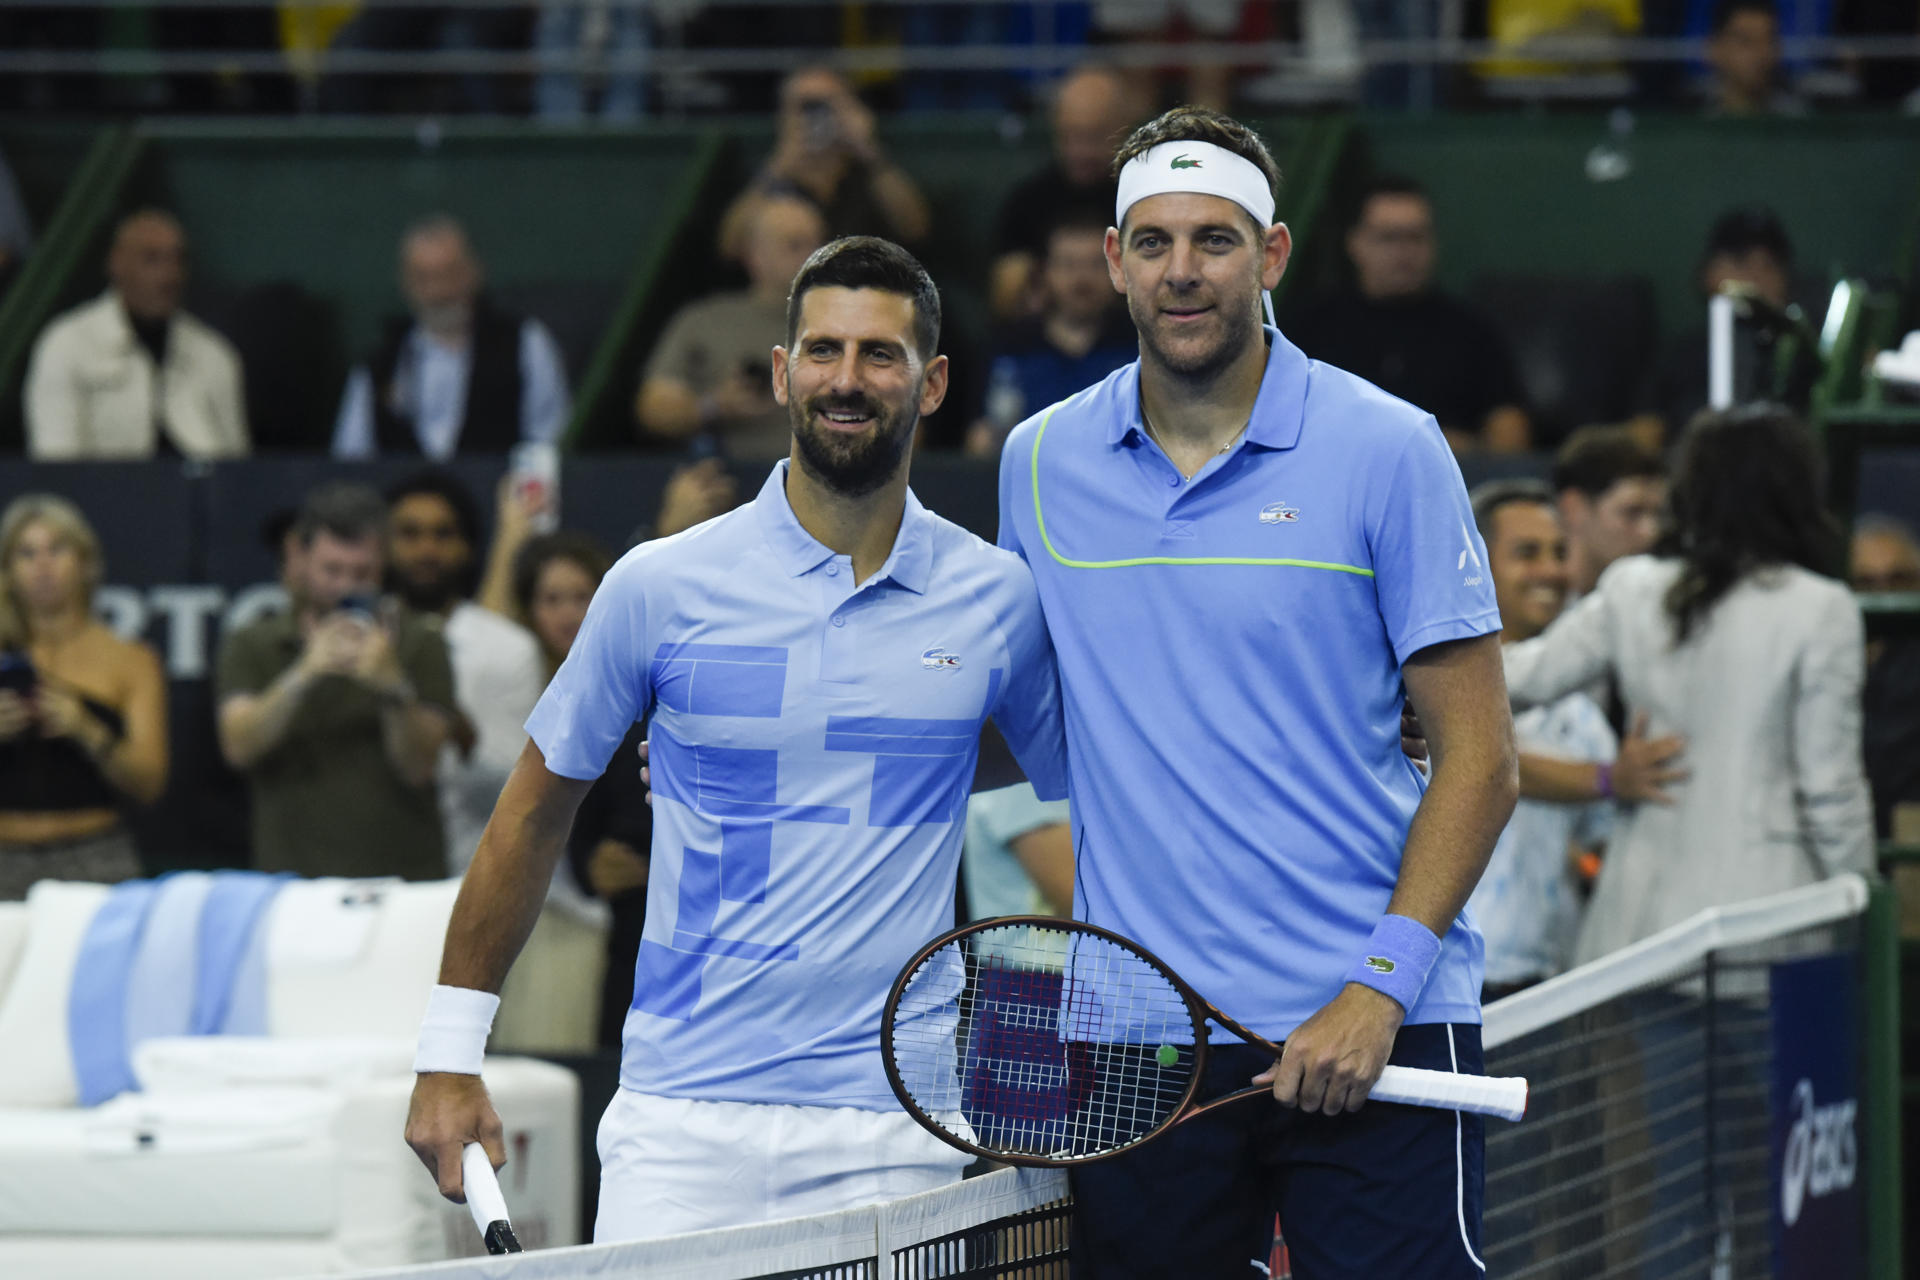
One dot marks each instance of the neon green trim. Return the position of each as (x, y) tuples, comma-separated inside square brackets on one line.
[(1040, 519)]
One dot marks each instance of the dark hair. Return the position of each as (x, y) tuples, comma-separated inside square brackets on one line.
[(1201, 124), (1080, 217), (1746, 495), (868, 262), (1490, 496), (1738, 232), (439, 483), (1594, 459), (349, 512), (537, 553), (1385, 184), (1727, 10)]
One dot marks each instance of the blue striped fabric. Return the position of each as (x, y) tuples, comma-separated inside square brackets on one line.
[(97, 1004)]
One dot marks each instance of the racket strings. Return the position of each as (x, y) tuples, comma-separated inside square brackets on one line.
[(1042, 1041)]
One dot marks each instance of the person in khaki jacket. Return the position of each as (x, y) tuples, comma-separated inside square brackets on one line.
[(130, 374)]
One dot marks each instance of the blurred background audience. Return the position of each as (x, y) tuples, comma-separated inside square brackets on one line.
[(131, 374)]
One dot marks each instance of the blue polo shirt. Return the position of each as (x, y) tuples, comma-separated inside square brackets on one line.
[(813, 742), (1230, 650)]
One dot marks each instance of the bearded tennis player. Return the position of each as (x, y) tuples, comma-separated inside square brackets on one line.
[(1247, 560), (817, 666)]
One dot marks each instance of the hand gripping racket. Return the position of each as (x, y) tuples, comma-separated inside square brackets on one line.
[(484, 1201), (1048, 1042)]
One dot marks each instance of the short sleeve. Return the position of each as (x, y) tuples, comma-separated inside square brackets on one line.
[(1014, 459), (245, 665), (429, 667), (1430, 567), (603, 688), (1029, 711)]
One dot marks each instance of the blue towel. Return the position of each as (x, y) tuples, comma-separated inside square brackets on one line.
[(230, 983), (160, 989), (97, 1004)]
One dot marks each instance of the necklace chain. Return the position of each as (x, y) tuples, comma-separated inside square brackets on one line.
[(1154, 435)]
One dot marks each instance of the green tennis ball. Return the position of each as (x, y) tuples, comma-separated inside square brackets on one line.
[(1166, 1055)]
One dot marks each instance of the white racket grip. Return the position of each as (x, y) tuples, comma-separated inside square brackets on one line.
[(484, 1200), (1502, 1096)]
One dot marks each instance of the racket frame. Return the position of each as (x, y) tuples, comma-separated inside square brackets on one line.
[(1197, 1009)]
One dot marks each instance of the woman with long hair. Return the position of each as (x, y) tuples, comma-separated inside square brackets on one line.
[(83, 713), (554, 578), (1737, 636)]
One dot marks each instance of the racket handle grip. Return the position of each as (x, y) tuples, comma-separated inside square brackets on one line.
[(1502, 1096), (484, 1201)]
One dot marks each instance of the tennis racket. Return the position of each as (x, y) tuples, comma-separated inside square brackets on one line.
[(1048, 1042), (484, 1201)]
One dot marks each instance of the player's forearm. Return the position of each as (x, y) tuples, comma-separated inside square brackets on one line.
[(1453, 833), (506, 885)]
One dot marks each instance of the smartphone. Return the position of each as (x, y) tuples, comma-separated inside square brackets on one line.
[(364, 607), (17, 673), (823, 129)]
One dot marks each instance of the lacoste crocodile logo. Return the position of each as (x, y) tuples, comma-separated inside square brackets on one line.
[(1181, 162)]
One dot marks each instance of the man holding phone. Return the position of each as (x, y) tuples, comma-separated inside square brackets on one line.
[(335, 710)]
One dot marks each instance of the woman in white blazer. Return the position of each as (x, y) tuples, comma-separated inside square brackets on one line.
[(1740, 640)]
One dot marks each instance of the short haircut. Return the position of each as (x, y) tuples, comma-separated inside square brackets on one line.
[(1489, 497), (533, 557), (1385, 184), (1727, 10), (1596, 458), (443, 484), (433, 225), (147, 213), (1201, 124), (868, 262), (1739, 231), (349, 512)]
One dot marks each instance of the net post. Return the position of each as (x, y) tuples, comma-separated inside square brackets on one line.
[(1880, 947)]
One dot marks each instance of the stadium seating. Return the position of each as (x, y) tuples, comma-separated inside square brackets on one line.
[(246, 1156)]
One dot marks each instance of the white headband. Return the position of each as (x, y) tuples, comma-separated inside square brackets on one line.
[(1197, 168)]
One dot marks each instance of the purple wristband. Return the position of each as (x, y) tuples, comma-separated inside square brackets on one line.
[(1397, 959), (1603, 779)]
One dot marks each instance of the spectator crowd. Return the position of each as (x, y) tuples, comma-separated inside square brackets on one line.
[(1678, 641)]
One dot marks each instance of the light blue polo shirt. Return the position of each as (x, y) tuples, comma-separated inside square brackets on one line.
[(812, 742), (1230, 650)]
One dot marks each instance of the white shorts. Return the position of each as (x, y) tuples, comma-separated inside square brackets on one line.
[(669, 1165)]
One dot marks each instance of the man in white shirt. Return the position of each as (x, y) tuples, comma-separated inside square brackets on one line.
[(130, 374), (457, 374)]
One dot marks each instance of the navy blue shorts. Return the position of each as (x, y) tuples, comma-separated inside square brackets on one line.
[(1385, 1193)]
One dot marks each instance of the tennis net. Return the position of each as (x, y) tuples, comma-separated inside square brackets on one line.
[(1007, 1225), (1692, 1098)]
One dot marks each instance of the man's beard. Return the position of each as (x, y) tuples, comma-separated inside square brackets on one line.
[(1237, 334), (851, 466), (432, 594)]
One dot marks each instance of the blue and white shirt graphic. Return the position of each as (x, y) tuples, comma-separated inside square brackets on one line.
[(812, 744)]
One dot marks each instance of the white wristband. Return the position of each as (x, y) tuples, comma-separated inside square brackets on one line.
[(453, 1034)]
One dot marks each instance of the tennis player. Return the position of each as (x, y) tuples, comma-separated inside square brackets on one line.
[(817, 666), (1247, 559)]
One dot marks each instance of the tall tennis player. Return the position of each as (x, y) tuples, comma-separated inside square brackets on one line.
[(817, 666), (1247, 559)]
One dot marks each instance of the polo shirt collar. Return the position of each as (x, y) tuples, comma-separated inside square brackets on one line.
[(1277, 410), (910, 563)]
